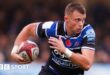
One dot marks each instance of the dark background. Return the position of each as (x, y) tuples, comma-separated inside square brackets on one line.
[(15, 14)]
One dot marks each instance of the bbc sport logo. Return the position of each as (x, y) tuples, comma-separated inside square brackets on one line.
[(13, 67)]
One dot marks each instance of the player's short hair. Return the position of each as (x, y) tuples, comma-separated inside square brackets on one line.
[(71, 7)]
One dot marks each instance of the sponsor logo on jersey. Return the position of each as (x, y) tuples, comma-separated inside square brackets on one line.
[(76, 43), (63, 61)]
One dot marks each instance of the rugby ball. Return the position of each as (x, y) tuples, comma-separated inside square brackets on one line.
[(29, 50)]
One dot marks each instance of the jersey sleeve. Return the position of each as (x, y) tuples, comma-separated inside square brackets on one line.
[(45, 29), (89, 40)]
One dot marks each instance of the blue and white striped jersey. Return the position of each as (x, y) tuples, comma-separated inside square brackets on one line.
[(84, 40)]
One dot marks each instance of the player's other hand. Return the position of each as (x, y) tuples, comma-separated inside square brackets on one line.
[(18, 59)]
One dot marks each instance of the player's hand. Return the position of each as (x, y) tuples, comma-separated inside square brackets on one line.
[(57, 44), (19, 59)]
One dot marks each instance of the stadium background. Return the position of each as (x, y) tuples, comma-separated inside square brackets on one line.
[(15, 14)]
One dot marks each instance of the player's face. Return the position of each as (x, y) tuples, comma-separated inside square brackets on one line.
[(75, 21)]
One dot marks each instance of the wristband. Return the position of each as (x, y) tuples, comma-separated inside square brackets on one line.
[(15, 49), (68, 53)]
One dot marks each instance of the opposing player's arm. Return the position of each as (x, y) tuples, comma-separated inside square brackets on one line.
[(27, 31)]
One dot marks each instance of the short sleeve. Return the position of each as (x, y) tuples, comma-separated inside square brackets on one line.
[(41, 29), (89, 40)]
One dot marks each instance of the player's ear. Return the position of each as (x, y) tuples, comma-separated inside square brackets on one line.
[(66, 18)]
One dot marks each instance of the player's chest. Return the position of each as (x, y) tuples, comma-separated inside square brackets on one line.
[(72, 42)]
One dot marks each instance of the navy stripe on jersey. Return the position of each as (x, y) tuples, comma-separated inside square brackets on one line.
[(60, 29), (41, 32)]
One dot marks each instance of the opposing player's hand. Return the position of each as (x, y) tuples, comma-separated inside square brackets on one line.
[(19, 59), (57, 44)]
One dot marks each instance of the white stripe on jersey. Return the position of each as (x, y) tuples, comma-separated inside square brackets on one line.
[(56, 29), (47, 25), (85, 47), (46, 32)]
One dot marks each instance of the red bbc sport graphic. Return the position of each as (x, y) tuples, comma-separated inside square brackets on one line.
[(68, 43)]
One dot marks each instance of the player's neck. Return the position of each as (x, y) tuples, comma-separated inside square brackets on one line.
[(69, 31)]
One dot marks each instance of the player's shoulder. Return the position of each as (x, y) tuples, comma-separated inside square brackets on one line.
[(87, 27), (88, 30), (47, 24), (47, 29)]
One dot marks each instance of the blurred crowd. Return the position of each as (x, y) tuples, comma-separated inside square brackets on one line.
[(15, 14)]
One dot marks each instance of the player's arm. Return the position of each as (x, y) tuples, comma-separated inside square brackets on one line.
[(84, 60), (27, 31)]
